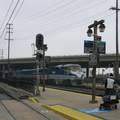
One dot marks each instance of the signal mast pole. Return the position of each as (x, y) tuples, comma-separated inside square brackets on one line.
[(37, 80), (39, 56), (44, 49)]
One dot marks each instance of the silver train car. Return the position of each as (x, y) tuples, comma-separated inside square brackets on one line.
[(68, 74)]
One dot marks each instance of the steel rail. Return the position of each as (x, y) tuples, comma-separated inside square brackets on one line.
[(7, 111), (40, 113)]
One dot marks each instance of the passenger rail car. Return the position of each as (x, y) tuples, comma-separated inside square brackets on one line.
[(68, 74)]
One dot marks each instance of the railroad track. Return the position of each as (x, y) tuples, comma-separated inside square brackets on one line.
[(7, 111), (82, 89), (9, 116)]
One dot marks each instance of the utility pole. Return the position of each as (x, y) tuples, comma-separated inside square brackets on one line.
[(9, 39), (116, 66)]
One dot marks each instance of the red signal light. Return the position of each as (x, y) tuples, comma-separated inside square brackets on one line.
[(39, 41)]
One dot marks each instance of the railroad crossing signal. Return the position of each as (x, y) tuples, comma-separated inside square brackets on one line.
[(39, 41)]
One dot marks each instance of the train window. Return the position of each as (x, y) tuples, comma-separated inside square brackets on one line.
[(70, 67), (75, 68)]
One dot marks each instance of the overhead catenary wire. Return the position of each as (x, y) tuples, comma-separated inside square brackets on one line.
[(38, 13), (53, 16), (9, 18), (68, 26), (6, 14), (47, 11), (18, 11), (40, 23), (13, 11), (2, 40), (58, 29), (73, 23)]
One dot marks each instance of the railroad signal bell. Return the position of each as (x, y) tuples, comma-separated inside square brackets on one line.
[(39, 41)]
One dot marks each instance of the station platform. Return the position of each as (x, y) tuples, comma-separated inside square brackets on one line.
[(74, 106), (59, 105)]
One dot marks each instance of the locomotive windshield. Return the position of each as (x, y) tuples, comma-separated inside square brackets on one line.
[(75, 68), (71, 67)]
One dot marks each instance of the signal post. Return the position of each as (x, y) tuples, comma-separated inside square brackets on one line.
[(39, 44), (40, 55), (44, 49), (37, 90)]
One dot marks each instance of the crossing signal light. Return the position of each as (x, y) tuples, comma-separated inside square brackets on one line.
[(39, 56), (39, 41)]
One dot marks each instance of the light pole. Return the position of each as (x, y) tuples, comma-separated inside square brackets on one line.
[(89, 32)]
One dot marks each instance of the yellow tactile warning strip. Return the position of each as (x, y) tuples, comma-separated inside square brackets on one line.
[(71, 113), (70, 92), (33, 99), (66, 111)]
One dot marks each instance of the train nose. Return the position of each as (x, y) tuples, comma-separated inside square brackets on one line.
[(79, 75)]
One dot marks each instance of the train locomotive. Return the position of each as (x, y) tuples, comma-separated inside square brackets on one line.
[(68, 74)]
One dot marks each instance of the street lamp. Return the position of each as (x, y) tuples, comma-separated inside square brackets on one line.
[(89, 32), (102, 27)]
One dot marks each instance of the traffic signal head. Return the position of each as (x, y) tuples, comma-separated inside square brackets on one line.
[(39, 56), (39, 41)]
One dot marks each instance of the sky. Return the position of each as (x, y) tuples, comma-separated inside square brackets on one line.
[(63, 23)]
